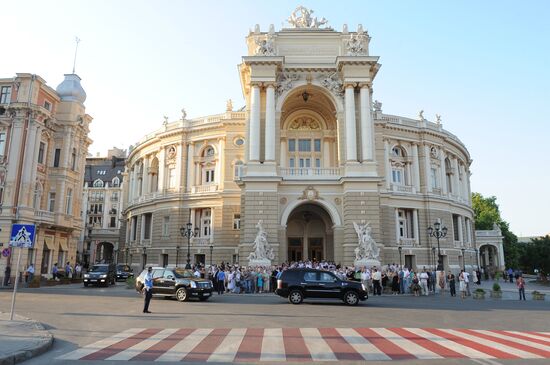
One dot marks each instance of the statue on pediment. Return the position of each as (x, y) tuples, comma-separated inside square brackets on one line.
[(357, 44), (302, 18), (264, 45)]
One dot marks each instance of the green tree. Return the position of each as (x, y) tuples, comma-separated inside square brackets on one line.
[(487, 213), (537, 256)]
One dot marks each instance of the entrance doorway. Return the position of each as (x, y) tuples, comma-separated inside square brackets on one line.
[(309, 234), (200, 258), (295, 249)]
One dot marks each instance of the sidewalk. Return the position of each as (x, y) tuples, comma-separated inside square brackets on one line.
[(22, 339)]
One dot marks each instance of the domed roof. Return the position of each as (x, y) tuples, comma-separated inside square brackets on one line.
[(70, 89)]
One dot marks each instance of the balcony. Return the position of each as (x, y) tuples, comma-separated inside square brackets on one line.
[(44, 216), (313, 173), (407, 189), (212, 188), (407, 242)]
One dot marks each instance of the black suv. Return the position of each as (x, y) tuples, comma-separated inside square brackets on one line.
[(176, 282), (100, 274), (298, 284), (124, 272)]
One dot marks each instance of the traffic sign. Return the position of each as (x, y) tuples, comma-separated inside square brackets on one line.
[(6, 252), (22, 235)]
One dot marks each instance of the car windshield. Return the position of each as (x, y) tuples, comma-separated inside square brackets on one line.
[(100, 268), (123, 268), (181, 273)]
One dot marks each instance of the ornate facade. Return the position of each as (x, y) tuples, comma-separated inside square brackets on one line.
[(43, 146), (311, 156)]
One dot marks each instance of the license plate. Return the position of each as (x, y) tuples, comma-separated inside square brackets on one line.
[(206, 294)]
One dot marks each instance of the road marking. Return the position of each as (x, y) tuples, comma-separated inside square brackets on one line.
[(318, 348), (182, 348), (227, 350), (409, 346), (97, 346), (238, 345), (273, 347), (143, 345)]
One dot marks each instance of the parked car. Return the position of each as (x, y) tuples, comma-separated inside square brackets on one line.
[(100, 274), (300, 284), (124, 272), (176, 282)]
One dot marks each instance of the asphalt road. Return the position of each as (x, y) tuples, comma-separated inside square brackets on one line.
[(79, 316)]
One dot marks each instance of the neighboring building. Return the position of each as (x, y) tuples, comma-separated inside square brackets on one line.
[(43, 146), (311, 155), (101, 207)]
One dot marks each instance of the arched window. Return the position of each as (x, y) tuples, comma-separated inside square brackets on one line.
[(208, 166), (399, 166), (37, 196), (115, 182), (238, 172), (98, 183)]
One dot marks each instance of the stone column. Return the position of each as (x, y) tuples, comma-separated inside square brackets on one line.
[(460, 230), (35, 158), (416, 231), (326, 153), (427, 168), (284, 149), (367, 127), (29, 163), (221, 164), (351, 138), (270, 123), (254, 139), (387, 163), (145, 186), (464, 185), (455, 189), (162, 168), (501, 262), (179, 168), (443, 172), (190, 166), (415, 168), (396, 223)]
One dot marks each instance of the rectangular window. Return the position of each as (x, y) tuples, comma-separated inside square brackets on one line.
[(236, 221), (291, 163), (166, 226), (112, 224), (51, 202), (5, 94), (433, 178), (304, 145), (147, 226), (291, 145), (2, 143), (41, 150), (209, 176), (308, 162), (47, 105), (172, 178), (205, 222), (397, 176), (456, 227), (69, 206), (133, 228), (317, 145), (56, 157), (318, 163)]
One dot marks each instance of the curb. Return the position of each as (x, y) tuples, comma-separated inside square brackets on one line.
[(46, 343)]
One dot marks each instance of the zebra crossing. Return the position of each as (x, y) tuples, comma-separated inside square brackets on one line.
[(244, 345)]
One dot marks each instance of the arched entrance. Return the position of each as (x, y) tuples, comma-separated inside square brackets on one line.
[(105, 252), (309, 234), (489, 260)]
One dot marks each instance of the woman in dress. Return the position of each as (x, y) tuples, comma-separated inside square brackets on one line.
[(395, 283), (260, 282), (415, 286), (462, 284)]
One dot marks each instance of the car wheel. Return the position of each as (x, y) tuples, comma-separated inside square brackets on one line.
[(351, 298), (85, 284), (295, 297), (181, 295)]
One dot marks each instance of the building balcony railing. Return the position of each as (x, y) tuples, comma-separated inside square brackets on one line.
[(407, 242), (211, 188), (200, 241), (409, 189), (310, 172), (44, 216)]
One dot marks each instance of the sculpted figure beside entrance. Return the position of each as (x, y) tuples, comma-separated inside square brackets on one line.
[(263, 253), (367, 252)]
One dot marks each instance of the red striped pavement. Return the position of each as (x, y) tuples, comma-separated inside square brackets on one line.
[(252, 345)]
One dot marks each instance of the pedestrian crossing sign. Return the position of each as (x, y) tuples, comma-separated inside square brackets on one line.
[(22, 235)]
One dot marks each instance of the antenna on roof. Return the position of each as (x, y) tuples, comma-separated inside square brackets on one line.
[(77, 40)]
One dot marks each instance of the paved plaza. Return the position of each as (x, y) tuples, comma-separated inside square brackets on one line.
[(105, 325)]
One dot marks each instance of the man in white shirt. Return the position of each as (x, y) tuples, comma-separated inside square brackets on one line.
[(376, 277), (424, 281), (30, 273)]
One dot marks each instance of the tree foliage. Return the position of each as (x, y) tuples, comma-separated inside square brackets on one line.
[(536, 255), (486, 214)]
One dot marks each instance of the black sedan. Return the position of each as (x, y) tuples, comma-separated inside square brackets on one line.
[(176, 282)]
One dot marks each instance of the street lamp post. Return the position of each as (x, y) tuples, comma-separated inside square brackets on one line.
[(433, 256), (187, 231), (438, 232), (211, 249), (399, 248), (477, 258), (463, 259), (177, 255)]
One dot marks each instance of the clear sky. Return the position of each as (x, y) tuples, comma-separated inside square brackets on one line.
[(483, 65)]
